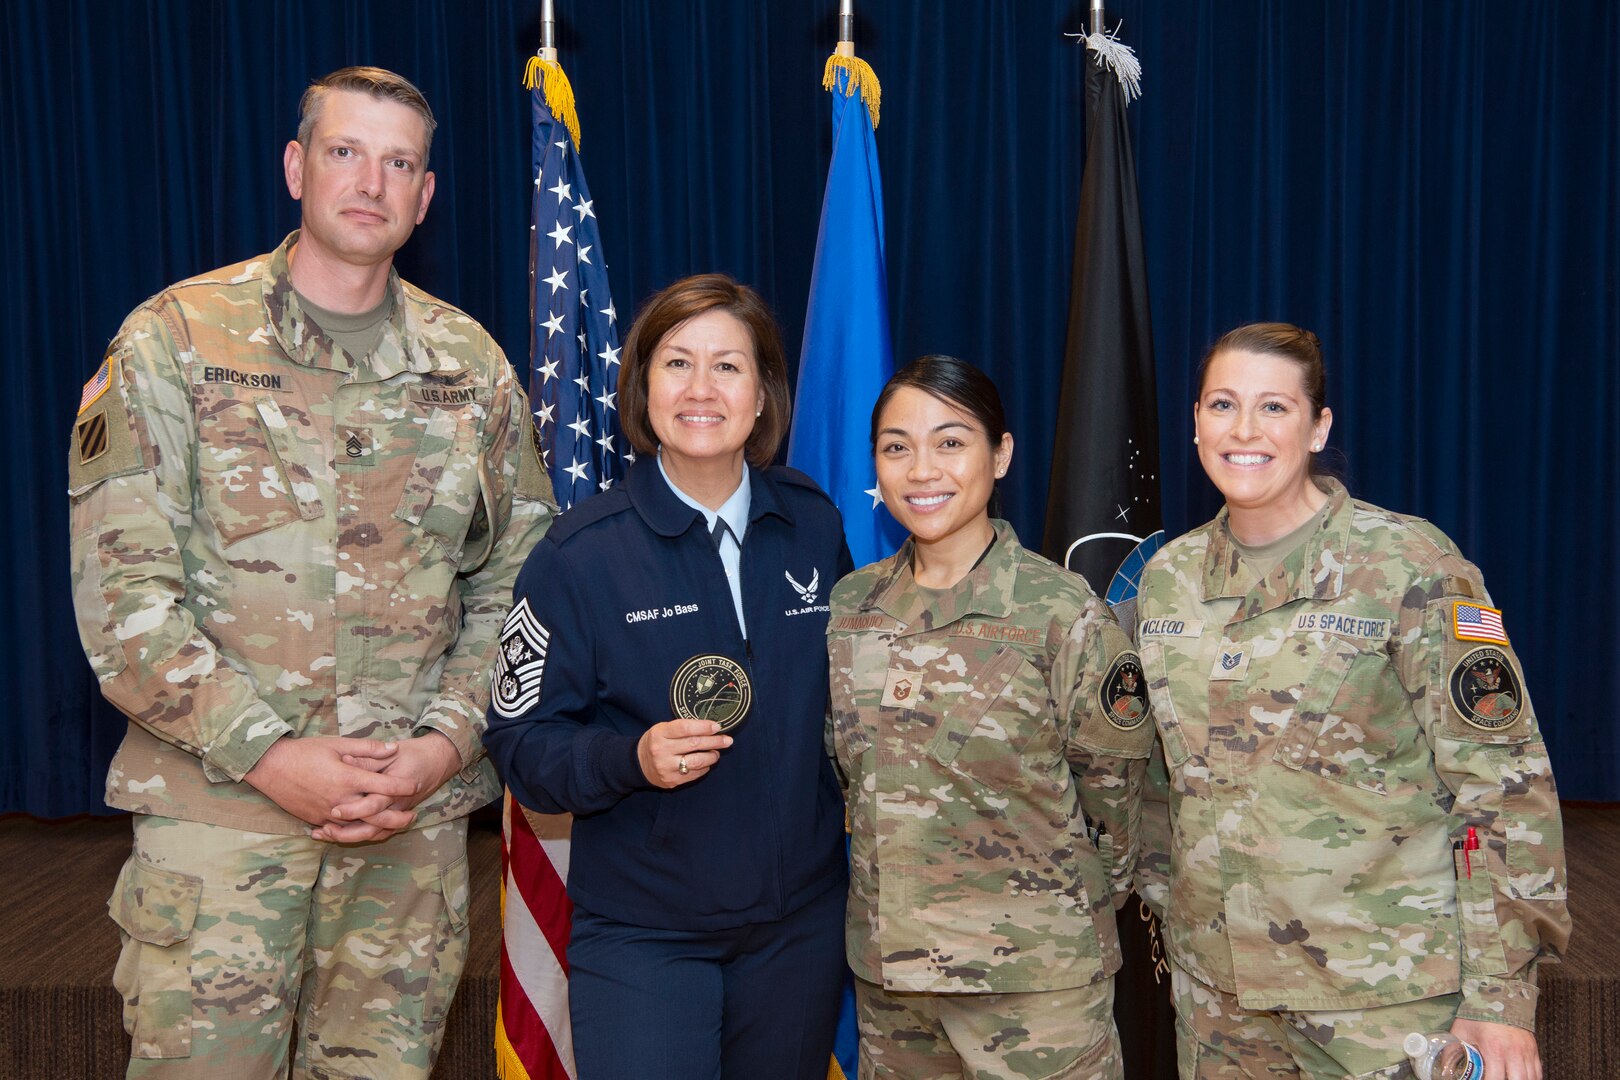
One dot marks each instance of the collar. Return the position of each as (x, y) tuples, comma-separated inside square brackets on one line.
[(1313, 570), (401, 349), (665, 514), (987, 590), (734, 510)]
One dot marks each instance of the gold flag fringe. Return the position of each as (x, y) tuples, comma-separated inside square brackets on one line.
[(558, 93), (508, 1065), (861, 78)]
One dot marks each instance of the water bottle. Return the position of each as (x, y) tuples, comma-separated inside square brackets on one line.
[(1443, 1057)]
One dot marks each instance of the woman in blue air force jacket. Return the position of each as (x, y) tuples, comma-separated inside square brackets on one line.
[(708, 866)]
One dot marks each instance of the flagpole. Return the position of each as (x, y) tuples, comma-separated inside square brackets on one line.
[(1096, 16), (548, 30), (846, 28)]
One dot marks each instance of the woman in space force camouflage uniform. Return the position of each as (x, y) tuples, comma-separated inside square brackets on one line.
[(989, 720), (1363, 834)]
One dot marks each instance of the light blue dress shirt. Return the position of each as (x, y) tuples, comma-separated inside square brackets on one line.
[(734, 512)]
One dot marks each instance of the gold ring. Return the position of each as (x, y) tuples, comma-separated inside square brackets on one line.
[(680, 764)]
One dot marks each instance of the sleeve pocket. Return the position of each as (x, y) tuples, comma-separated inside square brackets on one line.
[(156, 910), (1482, 952), (1163, 705)]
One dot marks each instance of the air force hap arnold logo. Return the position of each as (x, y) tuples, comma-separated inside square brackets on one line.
[(806, 594)]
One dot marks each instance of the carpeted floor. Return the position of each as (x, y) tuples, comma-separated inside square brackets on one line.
[(60, 1018)]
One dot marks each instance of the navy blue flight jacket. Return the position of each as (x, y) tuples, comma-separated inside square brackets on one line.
[(624, 588)]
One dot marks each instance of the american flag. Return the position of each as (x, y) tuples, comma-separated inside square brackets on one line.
[(573, 336), (1477, 623), (573, 389), (97, 384)]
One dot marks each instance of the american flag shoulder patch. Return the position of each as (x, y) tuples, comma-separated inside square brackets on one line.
[(97, 385), (1476, 622), (521, 662)]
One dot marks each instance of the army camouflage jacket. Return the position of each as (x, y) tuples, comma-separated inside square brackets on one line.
[(267, 543), (979, 730), (1333, 733)]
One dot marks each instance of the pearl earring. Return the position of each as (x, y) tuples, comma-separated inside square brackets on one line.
[(1195, 440)]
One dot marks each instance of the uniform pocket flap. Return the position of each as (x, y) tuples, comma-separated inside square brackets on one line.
[(154, 905), (964, 713), (457, 886)]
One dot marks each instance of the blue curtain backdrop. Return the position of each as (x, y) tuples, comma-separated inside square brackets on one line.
[(1434, 188)]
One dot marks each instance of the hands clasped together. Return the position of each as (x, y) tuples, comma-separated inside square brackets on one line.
[(354, 790)]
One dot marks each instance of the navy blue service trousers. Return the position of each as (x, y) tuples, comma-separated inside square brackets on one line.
[(756, 1001)]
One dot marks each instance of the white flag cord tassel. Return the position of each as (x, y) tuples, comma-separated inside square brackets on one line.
[(1119, 57)]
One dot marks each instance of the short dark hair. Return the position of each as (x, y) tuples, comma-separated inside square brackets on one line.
[(673, 305), (1277, 339), (952, 380), (374, 81)]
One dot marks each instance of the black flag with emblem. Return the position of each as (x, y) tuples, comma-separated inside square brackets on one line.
[(1104, 493), (1104, 496)]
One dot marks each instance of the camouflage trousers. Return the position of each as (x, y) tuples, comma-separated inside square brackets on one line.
[(1217, 1039), (1043, 1035), (233, 940)]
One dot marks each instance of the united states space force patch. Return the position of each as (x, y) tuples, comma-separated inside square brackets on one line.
[(522, 662), (1485, 690), (1124, 693)]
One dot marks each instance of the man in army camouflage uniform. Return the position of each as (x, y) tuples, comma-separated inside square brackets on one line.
[(301, 490), (1364, 832)]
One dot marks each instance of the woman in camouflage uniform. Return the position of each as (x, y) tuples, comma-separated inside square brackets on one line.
[(1363, 835), (989, 721)]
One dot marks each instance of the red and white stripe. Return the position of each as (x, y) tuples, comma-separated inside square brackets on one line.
[(532, 1038), (1486, 625)]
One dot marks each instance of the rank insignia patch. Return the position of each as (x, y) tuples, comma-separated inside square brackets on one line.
[(900, 689), (356, 445), (1476, 622), (91, 435), (1124, 693), (520, 663), (1485, 690), (1231, 663)]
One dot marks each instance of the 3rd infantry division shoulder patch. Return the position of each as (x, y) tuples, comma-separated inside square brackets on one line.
[(91, 436)]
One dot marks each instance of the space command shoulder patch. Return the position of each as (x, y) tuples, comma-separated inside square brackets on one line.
[(1485, 690), (1123, 696), (515, 687)]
